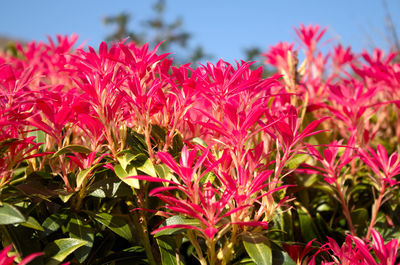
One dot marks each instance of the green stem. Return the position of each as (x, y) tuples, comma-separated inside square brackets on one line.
[(197, 247), (211, 249), (79, 199), (147, 136), (229, 246), (140, 222)]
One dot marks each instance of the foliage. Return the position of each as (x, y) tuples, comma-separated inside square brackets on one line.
[(116, 156)]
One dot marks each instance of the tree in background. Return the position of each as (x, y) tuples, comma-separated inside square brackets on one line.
[(155, 30)]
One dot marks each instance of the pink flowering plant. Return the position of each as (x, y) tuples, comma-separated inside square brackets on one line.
[(117, 155)]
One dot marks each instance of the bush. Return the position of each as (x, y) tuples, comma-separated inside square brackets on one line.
[(119, 156)]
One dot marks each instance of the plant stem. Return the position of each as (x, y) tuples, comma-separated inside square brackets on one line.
[(139, 219), (147, 136), (345, 208), (375, 211), (211, 249), (196, 246)]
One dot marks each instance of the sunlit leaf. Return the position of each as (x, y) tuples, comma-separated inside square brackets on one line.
[(32, 223), (176, 220), (116, 224), (10, 215), (148, 168), (54, 222), (72, 148), (58, 250), (258, 249), (79, 229), (124, 176)]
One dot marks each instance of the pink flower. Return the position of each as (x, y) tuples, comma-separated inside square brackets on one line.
[(277, 56), (310, 35), (6, 260), (332, 162), (342, 56), (383, 166), (356, 251)]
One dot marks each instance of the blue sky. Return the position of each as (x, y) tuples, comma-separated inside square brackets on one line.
[(223, 27)]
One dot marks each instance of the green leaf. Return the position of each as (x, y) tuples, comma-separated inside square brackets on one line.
[(105, 241), (10, 215), (24, 240), (280, 257), (81, 230), (84, 174), (284, 259), (307, 225), (297, 160), (5, 144), (322, 225), (246, 261), (130, 256), (32, 223), (359, 217), (208, 177), (123, 175), (199, 141), (136, 141), (158, 132), (177, 145), (66, 197), (162, 171), (126, 157), (169, 250), (148, 168), (176, 220), (116, 224), (40, 137), (110, 187), (54, 222), (258, 249), (61, 248), (73, 148), (307, 180)]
